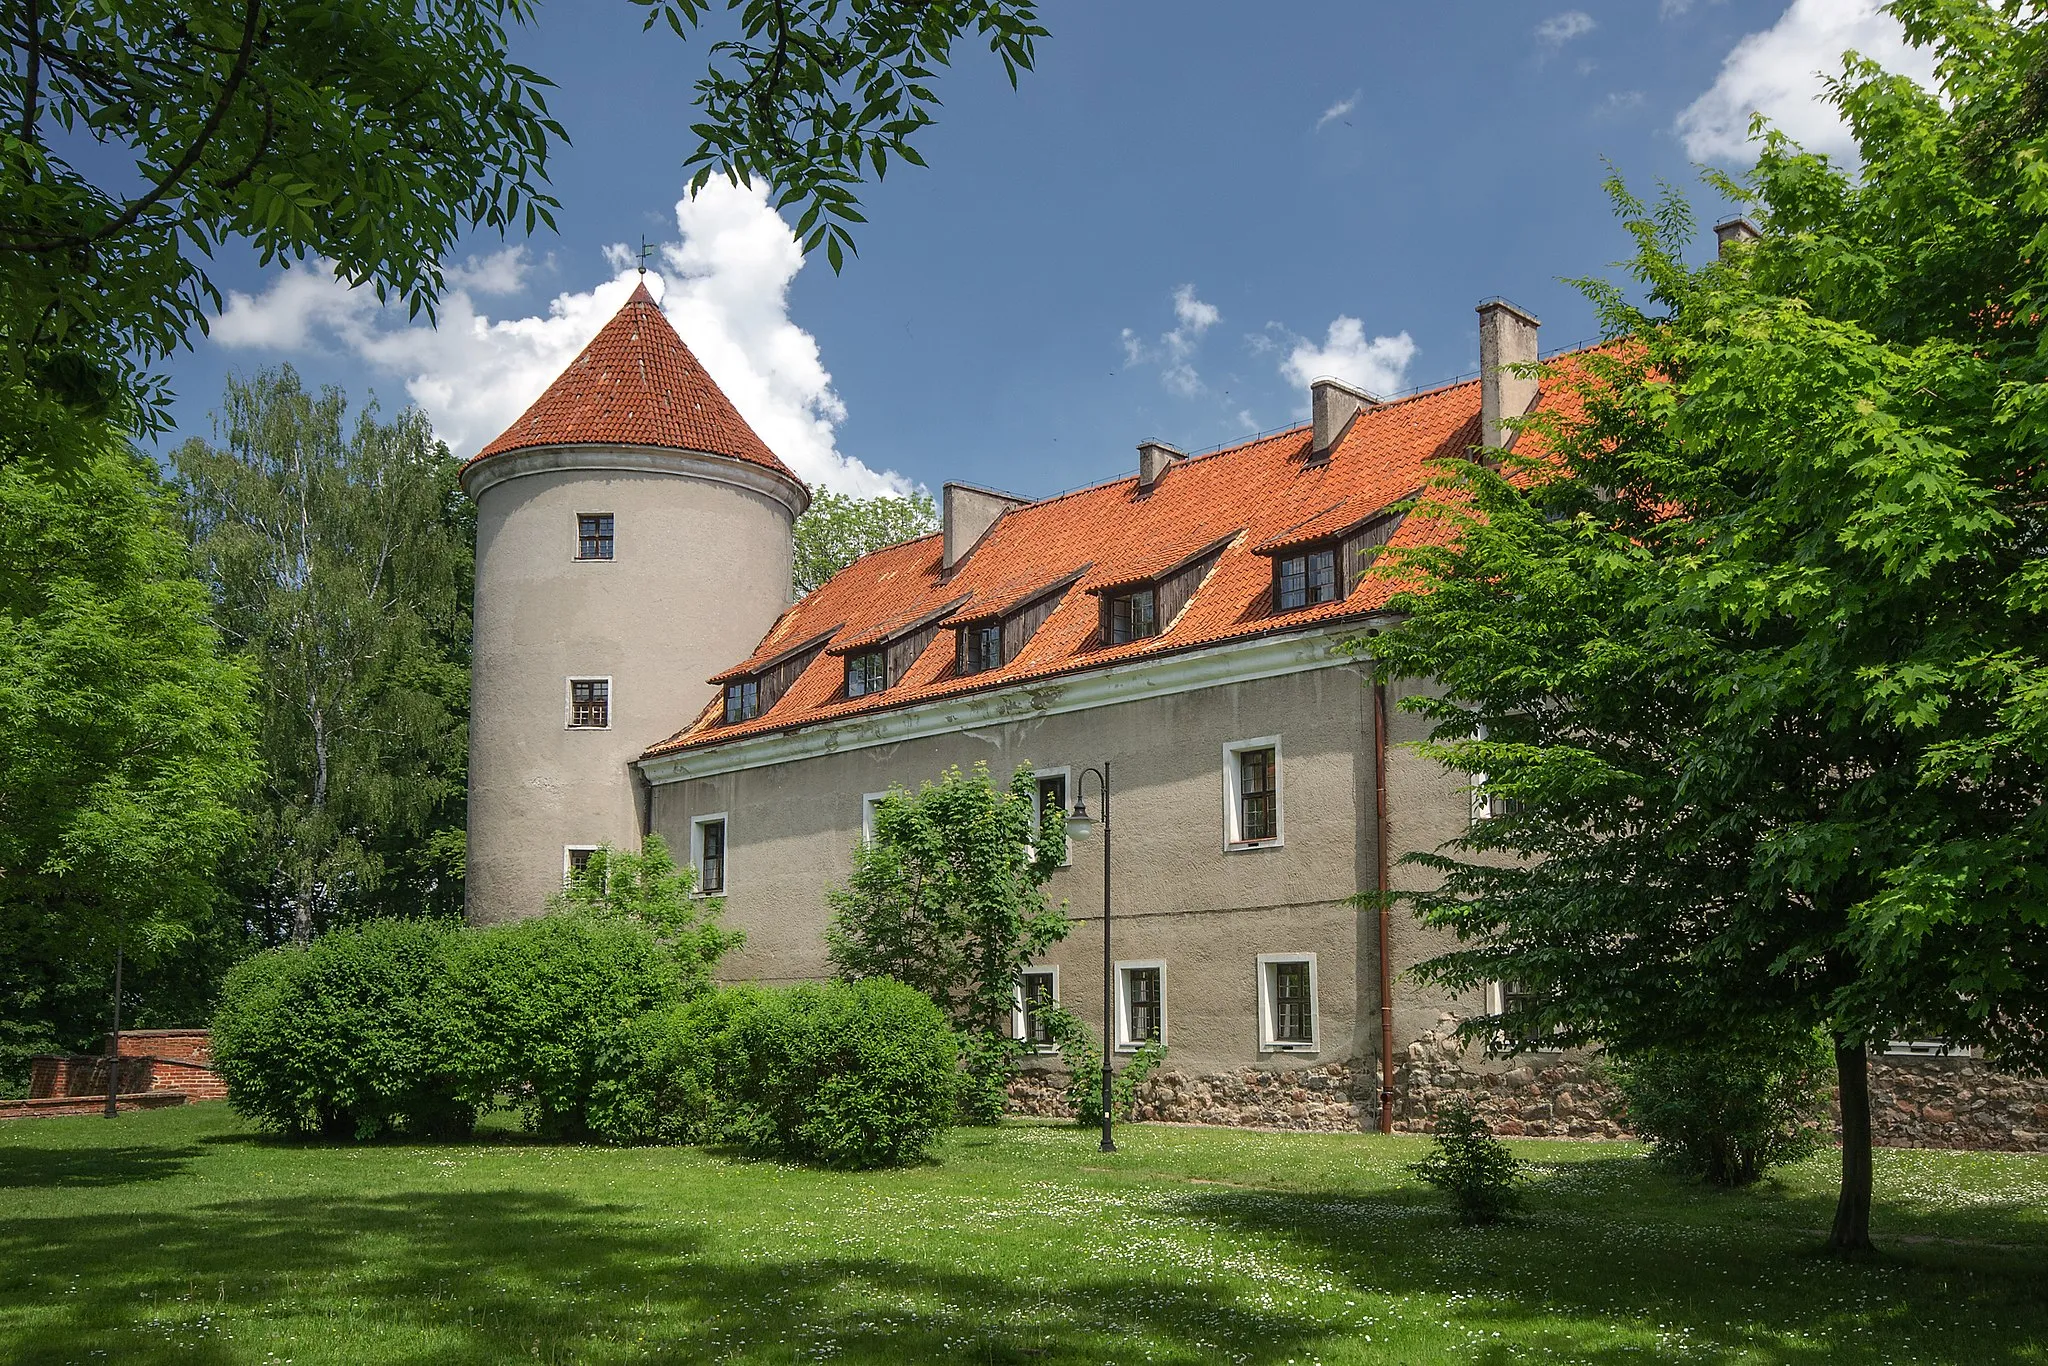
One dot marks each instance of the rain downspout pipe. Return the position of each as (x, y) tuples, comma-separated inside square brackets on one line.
[(1379, 774)]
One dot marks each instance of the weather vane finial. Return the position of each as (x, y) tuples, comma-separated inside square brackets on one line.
[(645, 252)]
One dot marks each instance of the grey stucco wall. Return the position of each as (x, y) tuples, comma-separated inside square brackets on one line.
[(700, 573), (1178, 893)]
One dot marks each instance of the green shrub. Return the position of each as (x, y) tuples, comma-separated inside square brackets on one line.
[(679, 1073), (1471, 1166), (851, 1075), (1083, 1057), (855, 1074), (351, 1037), (1728, 1114), (550, 1004)]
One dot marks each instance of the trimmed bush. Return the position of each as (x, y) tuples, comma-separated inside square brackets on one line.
[(1729, 1114), (351, 1037), (678, 1072), (850, 1075), (550, 1005)]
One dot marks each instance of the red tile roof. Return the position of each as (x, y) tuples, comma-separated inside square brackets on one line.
[(637, 384), (1253, 497)]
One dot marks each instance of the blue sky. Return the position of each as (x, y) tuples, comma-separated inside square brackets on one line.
[(1188, 210)]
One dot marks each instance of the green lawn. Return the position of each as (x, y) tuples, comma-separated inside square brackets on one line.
[(182, 1236)]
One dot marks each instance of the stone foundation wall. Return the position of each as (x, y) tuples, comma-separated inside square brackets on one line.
[(1915, 1102), (1535, 1096), (1955, 1103)]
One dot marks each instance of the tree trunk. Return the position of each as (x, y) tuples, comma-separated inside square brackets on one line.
[(1851, 1232)]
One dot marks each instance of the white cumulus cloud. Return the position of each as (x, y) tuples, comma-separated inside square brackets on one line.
[(1779, 73), (725, 286), (1560, 29), (1175, 351), (1379, 365)]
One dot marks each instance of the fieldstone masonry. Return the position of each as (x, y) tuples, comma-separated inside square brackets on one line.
[(1916, 1102)]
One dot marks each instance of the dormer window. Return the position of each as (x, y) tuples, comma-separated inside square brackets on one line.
[(742, 700), (1133, 616), (981, 647), (868, 673), (1306, 579)]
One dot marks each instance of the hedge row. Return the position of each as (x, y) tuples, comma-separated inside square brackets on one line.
[(587, 1026)]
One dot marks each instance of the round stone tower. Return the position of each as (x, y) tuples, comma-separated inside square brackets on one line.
[(632, 539)]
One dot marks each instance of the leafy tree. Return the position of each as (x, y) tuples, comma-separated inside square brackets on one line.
[(138, 139), (947, 896), (372, 134), (838, 529), (340, 562), (124, 745), (1755, 634), (652, 888)]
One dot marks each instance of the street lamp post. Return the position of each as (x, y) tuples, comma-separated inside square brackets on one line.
[(1081, 823)]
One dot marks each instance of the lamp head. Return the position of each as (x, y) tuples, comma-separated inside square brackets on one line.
[(1080, 825)]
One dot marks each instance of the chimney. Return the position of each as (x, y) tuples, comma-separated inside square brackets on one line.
[(1333, 404), (1507, 336), (967, 515), (1736, 232), (1153, 458)]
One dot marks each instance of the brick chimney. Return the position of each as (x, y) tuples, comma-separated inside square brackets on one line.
[(1153, 459), (966, 515), (1734, 233), (1507, 336), (1333, 404)]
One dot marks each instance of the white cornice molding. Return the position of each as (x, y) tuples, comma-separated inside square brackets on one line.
[(1241, 661), (717, 469)]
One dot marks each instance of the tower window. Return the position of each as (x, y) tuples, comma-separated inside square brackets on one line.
[(594, 536), (1133, 616), (1305, 580), (866, 673), (742, 701), (590, 703)]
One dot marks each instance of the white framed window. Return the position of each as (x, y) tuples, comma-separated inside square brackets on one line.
[(870, 802), (1036, 988), (1926, 1048), (708, 854), (1252, 811), (1502, 995), (588, 704), (1140, 1003), (1287, 1003), (1053, 787), (575, 858)]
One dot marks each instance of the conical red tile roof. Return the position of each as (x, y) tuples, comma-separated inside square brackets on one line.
[(637, 384)]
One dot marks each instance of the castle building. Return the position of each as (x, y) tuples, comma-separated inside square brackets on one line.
[(639, 667)]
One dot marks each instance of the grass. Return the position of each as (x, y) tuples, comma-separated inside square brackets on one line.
[(182, 1236)]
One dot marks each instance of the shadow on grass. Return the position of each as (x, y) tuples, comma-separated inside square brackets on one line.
[(493, 1275), (1613, 1246), (28, 1167)]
